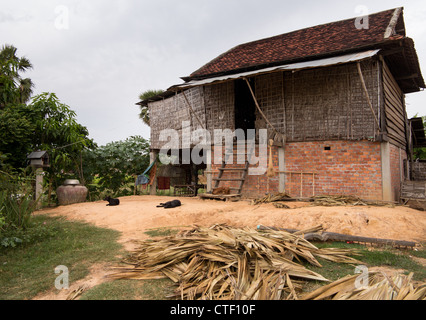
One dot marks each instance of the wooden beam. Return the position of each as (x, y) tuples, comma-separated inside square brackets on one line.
[(258, 107), (331, 236), (367, 95), (192, 110)]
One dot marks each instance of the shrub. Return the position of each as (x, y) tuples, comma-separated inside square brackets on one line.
[(16, 207)]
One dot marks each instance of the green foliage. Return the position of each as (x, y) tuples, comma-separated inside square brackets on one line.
[(16, 207), (13, 88), (58, 132), (16, 134), (117, 163), (28, 269), (420, 153), (144, 111)]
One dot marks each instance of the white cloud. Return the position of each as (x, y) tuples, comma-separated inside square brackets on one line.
[(114, 50)]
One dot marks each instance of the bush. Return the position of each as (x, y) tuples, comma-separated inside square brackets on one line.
[(16, 207)]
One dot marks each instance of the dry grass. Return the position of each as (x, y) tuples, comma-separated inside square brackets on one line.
[(380, 287), (228, 263)]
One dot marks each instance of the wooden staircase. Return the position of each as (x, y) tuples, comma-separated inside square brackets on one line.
[(224, 169)]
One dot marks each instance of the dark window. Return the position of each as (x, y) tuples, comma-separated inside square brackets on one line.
[(245, 116)]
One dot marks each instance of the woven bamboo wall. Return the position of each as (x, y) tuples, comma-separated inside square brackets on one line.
[(329, 103), (219, 105), (172, 112), (320, 104)]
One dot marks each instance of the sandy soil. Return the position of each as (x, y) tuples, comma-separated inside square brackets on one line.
[(137, 214)]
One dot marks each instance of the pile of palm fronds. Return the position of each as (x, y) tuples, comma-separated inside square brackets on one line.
[(228, 263), (343, 200), (272, 198), (379, 287)]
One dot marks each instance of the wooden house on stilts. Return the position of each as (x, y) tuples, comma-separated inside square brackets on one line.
[(331, 98)]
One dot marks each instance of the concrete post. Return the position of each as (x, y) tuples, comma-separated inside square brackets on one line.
[(386, 171), (281, 164), (39, 187)]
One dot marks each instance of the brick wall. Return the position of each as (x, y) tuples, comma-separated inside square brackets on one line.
[(348, 167), (343, 167)]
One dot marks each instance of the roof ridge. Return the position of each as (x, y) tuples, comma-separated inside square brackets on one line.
[(337, 36), (315, 26)]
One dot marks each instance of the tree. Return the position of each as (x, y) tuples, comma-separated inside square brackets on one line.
[(117, 163), (144, 114), (58, 132), (13, 88), (420, 153), (17, 131)]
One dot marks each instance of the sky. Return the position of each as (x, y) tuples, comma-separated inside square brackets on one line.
[(98, 56)]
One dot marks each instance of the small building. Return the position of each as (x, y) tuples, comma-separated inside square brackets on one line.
[(331, 97), (39, 159)]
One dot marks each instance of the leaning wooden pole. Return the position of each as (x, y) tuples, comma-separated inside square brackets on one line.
[(331, 236), (367, 95)]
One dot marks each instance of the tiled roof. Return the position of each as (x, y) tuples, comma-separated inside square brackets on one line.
[(324, 39)]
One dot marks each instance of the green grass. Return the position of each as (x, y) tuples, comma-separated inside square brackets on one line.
[(372, 257), (161, 232), (29, 269), (130, 290)]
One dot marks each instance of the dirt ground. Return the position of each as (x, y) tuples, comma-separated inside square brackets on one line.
[(137, 214)]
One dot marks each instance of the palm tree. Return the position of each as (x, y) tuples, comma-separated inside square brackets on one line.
[(13, 88), (144, 114)]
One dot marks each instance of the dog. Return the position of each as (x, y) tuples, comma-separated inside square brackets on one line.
[(112, 202), (170, 204), (222, 190)]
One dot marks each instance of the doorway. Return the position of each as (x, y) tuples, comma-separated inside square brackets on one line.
[(245, 108)]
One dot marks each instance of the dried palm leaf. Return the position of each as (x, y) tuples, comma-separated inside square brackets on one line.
[(229, 263), (380, 287)]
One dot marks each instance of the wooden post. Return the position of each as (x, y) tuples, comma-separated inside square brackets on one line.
[(367, 96), (153, 189), (209, 171)]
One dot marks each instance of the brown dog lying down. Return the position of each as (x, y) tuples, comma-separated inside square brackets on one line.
[(222, 190)]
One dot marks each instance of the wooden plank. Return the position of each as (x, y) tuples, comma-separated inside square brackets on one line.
[(391, 79), (331, 236), (393, 88), (394, 104), (227, 197), (394, 118), (395, 134)]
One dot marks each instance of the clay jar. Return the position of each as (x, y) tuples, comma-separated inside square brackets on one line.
[(71, 192)]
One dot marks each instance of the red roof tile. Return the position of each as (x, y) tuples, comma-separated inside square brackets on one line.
[(319, 40)]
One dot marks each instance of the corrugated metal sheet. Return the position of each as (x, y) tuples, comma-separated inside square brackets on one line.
[(294, 66)]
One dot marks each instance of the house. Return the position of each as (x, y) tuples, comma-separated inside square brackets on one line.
[(330, 99)]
